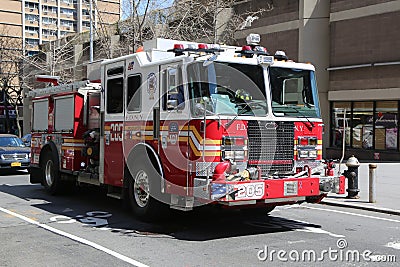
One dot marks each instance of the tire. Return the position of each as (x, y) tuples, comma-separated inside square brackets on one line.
[(144, 190), (51, 174)]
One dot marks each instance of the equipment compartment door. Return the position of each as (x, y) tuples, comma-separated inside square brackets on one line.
[(113, 124)]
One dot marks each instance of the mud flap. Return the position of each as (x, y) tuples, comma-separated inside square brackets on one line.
[(35, 176)]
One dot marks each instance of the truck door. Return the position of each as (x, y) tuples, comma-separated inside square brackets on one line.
[(113, 123), (174, 129)]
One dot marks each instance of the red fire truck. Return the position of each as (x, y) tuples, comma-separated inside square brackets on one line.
[(183, 124)]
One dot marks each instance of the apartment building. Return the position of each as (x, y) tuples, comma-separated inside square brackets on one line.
[(40, 21), (354, 45)]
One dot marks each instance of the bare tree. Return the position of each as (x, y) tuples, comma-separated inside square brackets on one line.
[(213, 21), (145, 21), (10, 53)]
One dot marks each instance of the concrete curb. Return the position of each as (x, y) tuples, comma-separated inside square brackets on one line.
[(360, 206)]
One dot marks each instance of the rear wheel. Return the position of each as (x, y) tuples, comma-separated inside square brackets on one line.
[(51, 174)]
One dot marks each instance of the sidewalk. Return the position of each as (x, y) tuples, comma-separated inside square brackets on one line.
[(387, 190)]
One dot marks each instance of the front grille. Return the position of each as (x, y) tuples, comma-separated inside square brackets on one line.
[(271, 146), (20, 156)]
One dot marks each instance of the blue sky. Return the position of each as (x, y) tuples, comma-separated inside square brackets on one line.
[(154, 3)]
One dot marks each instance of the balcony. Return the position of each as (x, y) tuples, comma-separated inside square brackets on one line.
[(67, 16), (49, 25), (49, 14), (34, 11), (32, 34), (32, 23), (66, 5), (49, 2)]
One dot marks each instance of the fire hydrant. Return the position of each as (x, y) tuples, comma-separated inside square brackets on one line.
[(352, 177)]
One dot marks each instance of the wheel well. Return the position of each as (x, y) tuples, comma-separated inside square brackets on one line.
[(50, 147), (139, 150)]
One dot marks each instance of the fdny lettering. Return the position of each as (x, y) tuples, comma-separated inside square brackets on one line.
[(116, 132), (299, 128), (240, 127)]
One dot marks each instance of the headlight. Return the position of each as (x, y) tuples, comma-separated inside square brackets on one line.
[(303, 153), (2, 156), (312, 153), (239, 155), (234, 155), (229, 154), (307, 153)]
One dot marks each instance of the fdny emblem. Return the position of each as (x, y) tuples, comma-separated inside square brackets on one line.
[(130, 65), (151, 85)]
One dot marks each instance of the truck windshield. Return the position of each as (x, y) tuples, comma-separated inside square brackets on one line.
[(294, 92), (226, 89)]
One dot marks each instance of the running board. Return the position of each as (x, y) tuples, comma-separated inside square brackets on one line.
[(88, 178), (114, 192), (115, 195)]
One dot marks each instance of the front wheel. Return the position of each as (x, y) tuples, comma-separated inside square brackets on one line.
[(143, 187)]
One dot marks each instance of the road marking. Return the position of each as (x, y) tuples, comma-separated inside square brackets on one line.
[(75, 238), (395, 245), (354, 214), (314, 230), (296, 242)]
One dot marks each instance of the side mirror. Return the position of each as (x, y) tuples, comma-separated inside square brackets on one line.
[(172, 104), (200, 110)]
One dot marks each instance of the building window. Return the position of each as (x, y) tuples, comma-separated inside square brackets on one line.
[(367, 125), (47, 21), (363, 133), (31, 5), (341, 122), (386, 134), (31, 18), (66, 11), (49, 9)]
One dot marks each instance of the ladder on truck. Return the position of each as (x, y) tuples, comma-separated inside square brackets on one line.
[(63, 88)]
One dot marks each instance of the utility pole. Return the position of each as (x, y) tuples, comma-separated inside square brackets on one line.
[(91, 30), (215, 21)]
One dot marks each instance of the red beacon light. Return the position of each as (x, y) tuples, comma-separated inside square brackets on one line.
[(179, 46), (202, 46), (246, 48)]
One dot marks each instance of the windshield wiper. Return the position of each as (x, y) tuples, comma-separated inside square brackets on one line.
[(298, 111), (241, 111)]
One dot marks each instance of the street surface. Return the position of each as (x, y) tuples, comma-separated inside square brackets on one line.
[(85, 228)]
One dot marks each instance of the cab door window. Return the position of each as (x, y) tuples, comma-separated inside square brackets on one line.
[(173, 92), (115, 95), (134, 93)]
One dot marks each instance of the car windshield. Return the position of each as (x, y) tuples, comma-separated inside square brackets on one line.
[(10, 141), (294, 92), (226, 89)]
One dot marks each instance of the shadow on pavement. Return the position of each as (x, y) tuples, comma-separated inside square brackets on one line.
[(91, 207)]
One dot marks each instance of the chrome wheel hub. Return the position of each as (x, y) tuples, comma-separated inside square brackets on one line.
[(141, 189)]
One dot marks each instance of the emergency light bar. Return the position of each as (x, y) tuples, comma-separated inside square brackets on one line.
[(249, 51), (179, 49), (280, 55)]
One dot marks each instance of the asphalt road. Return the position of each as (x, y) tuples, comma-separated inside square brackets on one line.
[(86, 228)]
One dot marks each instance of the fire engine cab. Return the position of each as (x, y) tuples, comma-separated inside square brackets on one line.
[(183, 124)]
